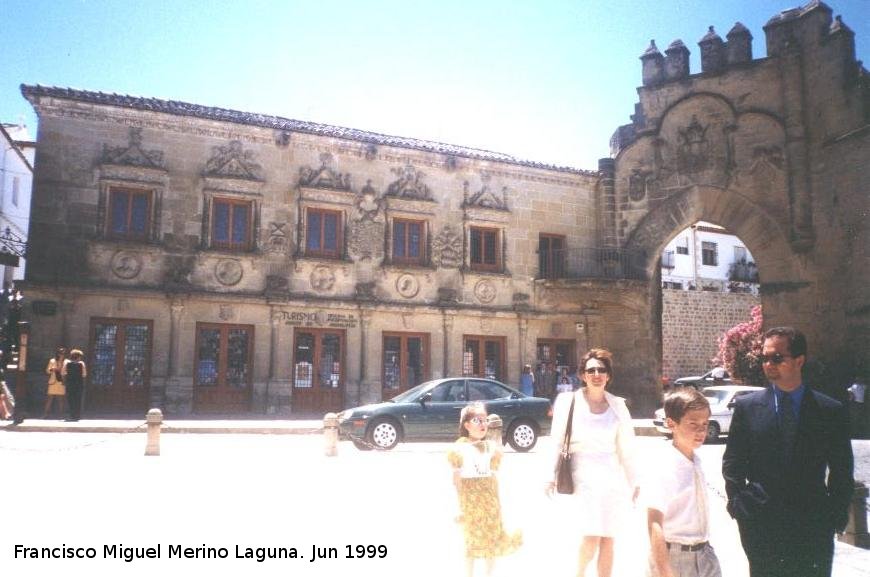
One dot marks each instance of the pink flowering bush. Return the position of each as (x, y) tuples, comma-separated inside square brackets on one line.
[(740, 350)]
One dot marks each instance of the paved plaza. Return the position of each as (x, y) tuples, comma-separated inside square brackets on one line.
[(265, 491)]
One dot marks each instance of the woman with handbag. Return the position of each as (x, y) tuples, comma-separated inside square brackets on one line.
[(596, 438), (56, 389)]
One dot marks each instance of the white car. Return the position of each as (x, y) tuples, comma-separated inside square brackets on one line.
[(721, 408)]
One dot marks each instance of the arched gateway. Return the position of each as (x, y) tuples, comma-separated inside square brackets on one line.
[(774, 150)]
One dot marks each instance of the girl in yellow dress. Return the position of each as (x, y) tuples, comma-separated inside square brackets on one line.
[(475, 462)]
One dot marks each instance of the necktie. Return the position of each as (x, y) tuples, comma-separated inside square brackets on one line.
[(787, 423)]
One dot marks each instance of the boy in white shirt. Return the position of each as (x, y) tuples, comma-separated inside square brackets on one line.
[(676, 494)]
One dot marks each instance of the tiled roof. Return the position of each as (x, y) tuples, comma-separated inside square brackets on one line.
[(33, 92)]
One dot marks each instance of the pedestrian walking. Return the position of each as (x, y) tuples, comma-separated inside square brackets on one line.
[(676, 494), (602, 450), (74, 373), (56, 392), (527, 381), (788, 466), (475, 461)]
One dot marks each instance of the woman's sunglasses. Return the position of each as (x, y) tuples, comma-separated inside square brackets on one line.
[(596, 371), (478, 420)]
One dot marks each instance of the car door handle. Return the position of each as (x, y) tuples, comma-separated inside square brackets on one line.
[(511, 406)]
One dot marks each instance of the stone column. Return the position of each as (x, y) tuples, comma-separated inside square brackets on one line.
[(447, 320), (522, 331), (274, 326), (176, 309), (365, 317)]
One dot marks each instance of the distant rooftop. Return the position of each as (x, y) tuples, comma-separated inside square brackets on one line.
[(34, 92)]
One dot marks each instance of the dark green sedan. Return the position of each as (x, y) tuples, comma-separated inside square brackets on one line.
[(430, 412)]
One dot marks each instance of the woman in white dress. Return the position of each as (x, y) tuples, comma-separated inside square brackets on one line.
[(601, 444)]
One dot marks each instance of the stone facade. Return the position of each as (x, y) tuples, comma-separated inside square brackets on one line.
[(693, 322), (205, 235)]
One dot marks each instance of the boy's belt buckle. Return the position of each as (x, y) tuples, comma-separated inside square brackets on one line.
[(695, 547)]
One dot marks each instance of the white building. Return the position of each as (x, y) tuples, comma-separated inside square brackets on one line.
[(16, 177), (705, 257)]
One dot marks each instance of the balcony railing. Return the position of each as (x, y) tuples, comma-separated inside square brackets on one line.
[(591, 263), (668, 259)]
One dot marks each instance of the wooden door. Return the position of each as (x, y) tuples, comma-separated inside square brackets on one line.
[(318, 370), (223, 370), (119, 366)]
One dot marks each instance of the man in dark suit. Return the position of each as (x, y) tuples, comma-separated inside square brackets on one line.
[(788, 467)]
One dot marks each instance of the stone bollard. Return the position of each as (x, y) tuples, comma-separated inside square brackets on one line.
[(154, 418), (493, 431), (856, 529), (330, 434)]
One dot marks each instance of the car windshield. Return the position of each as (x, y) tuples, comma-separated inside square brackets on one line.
[(715, 397), (410, 394)]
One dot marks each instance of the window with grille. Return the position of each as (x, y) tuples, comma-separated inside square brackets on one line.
[(683, 246), (709, 254), (551, 256)]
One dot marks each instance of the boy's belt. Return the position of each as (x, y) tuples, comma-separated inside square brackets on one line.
[(695, 547)]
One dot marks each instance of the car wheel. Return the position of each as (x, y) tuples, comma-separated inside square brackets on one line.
[(522, 436), (361, 445), (383, 434), (712, 432)]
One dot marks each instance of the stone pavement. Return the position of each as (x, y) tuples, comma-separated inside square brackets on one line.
[(363, 485)]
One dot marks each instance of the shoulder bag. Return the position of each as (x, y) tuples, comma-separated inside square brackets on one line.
[(564, 478)]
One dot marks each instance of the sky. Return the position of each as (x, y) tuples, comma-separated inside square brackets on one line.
[(542, 80)]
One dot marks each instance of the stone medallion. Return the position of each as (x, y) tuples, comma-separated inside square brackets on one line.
[(322, 278), (407, 285), (485, 291), (126, 264), (228, 272)]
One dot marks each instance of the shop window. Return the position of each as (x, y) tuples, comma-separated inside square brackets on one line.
[(409, 241), (323, 233), (485, 249), (405, 362), (231, 224), (129, 213), (483, 357)]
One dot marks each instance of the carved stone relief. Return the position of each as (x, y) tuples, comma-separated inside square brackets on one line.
[(485, 197), (640, 183), (447, 248), (322, 278), (228, 272), (325, 176), (485, 291), (407, 285), (226, 312), (366, 239), (233, 162), (126, 264), (277, 240), (409, 185), (133, 154), (276, 283)]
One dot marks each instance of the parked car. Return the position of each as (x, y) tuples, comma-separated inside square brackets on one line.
[(717, 376), (721, 399), (430, 411)]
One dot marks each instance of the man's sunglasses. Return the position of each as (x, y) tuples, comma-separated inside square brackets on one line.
[(774, 359), (596, 371)]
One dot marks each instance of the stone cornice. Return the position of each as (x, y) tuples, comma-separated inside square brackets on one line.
[(36, 93)]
